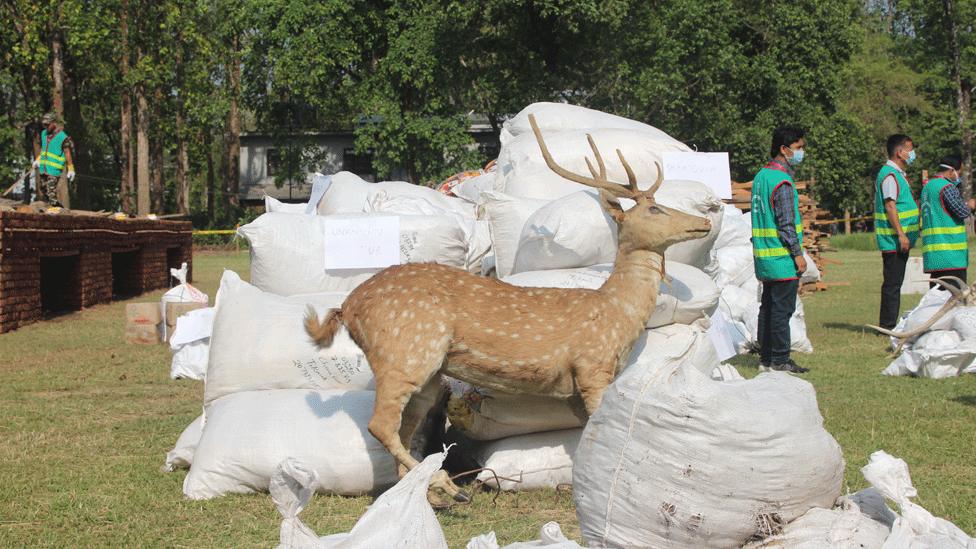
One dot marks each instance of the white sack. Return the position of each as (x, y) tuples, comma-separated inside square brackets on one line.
[(273, 205), (674, 459), (471, 188), (563, 117), (733, 266), (736, 228), (486, 415), (931, 302), (690, 295), (936, 354), (506, 215), (400, 518), (522, 171), (190, 344), (348, 193), (288, 258), (573, 231), (259, 342), (833, 528), (916, 528), (181, 456), (248, 434), (538, 460), (550, 535)]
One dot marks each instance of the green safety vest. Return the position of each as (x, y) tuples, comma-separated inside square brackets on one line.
[(943, 238), (52, 154), (907, 212), (771, 259)]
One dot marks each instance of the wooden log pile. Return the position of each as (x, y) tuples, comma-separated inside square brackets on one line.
[(68, 262), (815, 237)]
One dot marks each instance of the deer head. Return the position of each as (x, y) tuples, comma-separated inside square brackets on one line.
[(646, 226)]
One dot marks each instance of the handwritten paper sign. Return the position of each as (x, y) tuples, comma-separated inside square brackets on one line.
[(712, 169), (722, 334), (363, 243), (320, 184)]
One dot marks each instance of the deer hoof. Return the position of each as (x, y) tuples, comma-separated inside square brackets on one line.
[(442, 493)]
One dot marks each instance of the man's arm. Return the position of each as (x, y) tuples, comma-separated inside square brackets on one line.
[(786, 225), (891, 211), (68, 160), (957, 207)]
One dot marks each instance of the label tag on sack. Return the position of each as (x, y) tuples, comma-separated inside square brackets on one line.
[(720, 333), (320, 184), (710, 168), (364, 243)]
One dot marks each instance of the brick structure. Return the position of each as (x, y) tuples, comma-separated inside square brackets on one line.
[(68, 262)]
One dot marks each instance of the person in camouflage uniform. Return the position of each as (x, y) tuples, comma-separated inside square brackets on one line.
[(52, 159)]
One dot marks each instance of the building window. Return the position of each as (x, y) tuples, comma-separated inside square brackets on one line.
[(272, 162), (359, 164)]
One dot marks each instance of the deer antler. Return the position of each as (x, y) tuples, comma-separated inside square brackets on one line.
[(903, 337), (599, 179)]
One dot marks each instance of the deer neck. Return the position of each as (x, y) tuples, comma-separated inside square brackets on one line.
[(635, 281)]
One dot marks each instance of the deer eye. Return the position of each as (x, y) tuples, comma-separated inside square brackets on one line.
[(655, 209)]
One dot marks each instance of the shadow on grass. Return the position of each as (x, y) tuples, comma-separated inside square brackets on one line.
[(968, 400), (856, 328)]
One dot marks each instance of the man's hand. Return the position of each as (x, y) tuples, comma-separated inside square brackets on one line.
[(971, 203), (71, 175), (801, 264), (903, 244), (36, 164)]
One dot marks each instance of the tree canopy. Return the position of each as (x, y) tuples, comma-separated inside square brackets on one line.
[(155, 94)]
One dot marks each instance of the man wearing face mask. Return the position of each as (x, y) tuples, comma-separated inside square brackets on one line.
[(895, 224), (777, 248), (944, 213)]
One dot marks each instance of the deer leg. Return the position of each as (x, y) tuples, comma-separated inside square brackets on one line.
[(591, 386), (442, 492)]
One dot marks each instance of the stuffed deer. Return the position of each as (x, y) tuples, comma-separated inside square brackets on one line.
[(415, 322)]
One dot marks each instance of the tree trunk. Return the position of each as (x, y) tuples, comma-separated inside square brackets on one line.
[(158, 189), (182, 168), (142, 154), (233, 138), (125, 143), (57, 69), (963, 96), (208, 146)]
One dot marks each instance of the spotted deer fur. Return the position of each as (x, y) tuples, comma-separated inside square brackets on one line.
[(415, 322)]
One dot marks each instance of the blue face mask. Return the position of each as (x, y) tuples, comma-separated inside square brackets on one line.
[(797, 158), (911, 157)]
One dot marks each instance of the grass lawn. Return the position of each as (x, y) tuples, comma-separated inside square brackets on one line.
[(87, 420)]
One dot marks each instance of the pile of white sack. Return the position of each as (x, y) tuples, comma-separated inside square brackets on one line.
[(683, 452), (946, 349)]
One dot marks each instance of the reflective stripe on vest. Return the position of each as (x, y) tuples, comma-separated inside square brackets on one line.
[(944, 243), (908, 213), (772, 260)]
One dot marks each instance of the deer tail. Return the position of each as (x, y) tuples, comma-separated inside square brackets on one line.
[(322, 332)]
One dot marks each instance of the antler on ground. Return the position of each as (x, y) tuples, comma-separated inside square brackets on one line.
[(959, 296)]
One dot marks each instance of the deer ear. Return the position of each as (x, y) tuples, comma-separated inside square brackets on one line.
[(612, 206)]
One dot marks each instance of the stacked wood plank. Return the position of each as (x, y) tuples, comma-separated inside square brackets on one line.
[(815, 238), (67, 262)]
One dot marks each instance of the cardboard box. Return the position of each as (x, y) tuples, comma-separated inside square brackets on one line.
[(176, 310), (142, 334), (143, 313)]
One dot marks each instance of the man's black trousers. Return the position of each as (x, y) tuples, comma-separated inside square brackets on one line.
[(775, 310), (894, 275)]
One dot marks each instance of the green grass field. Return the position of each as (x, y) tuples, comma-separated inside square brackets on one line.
[(86, 421)]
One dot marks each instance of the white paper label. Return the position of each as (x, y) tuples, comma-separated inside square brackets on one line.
[(721, 335), (366, 243), (712, 169), (320, 184)]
